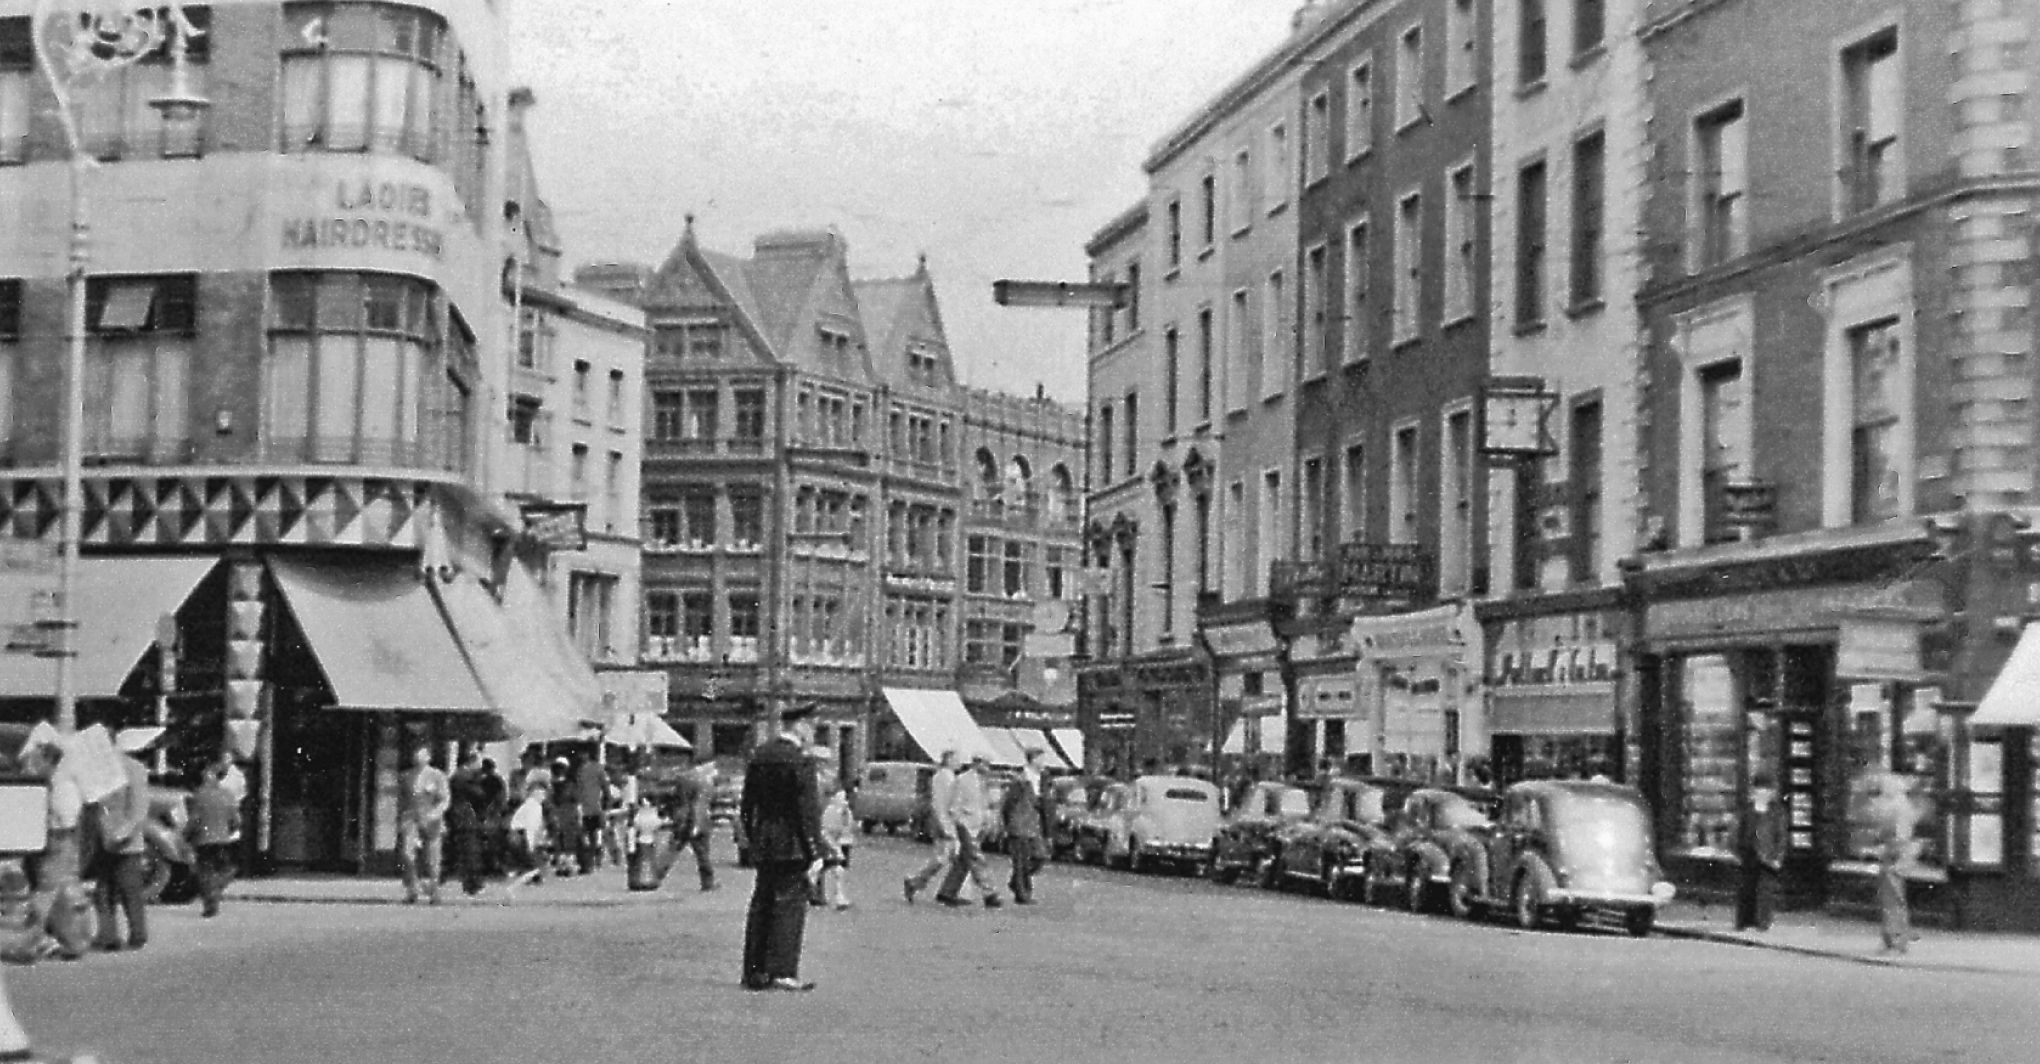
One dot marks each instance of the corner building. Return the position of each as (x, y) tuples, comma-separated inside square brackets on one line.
[(294, 337)]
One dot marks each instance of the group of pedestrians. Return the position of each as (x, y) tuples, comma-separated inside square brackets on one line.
[(959, 815), (1764, 840)]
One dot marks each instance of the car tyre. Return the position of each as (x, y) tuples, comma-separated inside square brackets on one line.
[(1136, 861), (1527, 900), (1639, 922), (1220, 872), (1459, 896)]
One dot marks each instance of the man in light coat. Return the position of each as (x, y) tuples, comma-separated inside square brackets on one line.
[(941, 824), (968, 812)]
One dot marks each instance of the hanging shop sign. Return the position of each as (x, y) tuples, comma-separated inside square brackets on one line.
[(556, 525)]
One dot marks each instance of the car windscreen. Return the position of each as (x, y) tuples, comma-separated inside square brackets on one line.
[(1457, 812), (1187, 794), (1608, 830), (1294, 803)]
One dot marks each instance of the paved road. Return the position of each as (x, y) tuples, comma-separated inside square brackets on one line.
[(1110, 967)]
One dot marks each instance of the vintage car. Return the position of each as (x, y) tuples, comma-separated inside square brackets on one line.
[(1093, 825), (1069, 797), (1563, 850), (1434, 832), (1329, 848), (892, 795), (1248, 838), (1163, 819)]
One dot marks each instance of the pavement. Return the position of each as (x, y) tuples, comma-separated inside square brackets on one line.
[(605, 888), (1820, 934)]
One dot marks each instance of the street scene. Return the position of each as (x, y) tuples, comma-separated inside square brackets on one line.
[(1153, 529)]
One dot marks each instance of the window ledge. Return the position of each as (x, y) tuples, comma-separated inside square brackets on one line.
[(1202, 428), (1590, 55), (1273, 397), (1412, 122), (1529, 328), (1238, 411), (1529, 89), (1241, 231), (1174, 273), (1278, 208), (1356, 362), (1315, 377), (1206, 252), (1401, 342), (1457, 320), (1316, 183), (1586, 308)]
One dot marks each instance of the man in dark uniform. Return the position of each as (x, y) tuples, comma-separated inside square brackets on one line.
[(781, 811), (1765, 833)]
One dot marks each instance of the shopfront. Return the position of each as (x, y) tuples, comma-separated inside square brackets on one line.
[(1802, 675), (1554, 706), (1416, 684), (1328, 709)]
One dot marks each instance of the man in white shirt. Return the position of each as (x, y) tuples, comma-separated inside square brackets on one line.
[(968, 812), (941, 823)]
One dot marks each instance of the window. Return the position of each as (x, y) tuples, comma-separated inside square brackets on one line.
[(978, 565), (745, 624), (114, 115), (1873, 170), (1274, 536), (1530, 221), (1278, 347), (747, 519), (1243, 191), (527, 421), (1317, 134), (1132, 435), (1132, 297), (1589, 202), (1172, 344), (1275, 182), (1174, 232), (1721, 216), (1015, 569), (1455, 504), (138, 365), (1402, 486), (17, 82), (1108, 321), (580, 394), (577, 482), (1317, 354), (1359, 111), (1245, 360), (1724, 442), (663, 526), (1709, 723), (1310, 510), (591, 606), (667, 410), (1104, 438), (1530, 43), (1203, 542), (1359, 324), (1583, 452), (370, 77), (697, 509), (697, 616), (1409, 79), (1875, 462), (1055, 572), (1167, 547), (615, 406), (1353, 495), (536, 337), (1409, 265), (749, 412), (10, 330), (1589, 26), (1462, 204), (1205, 340), (980, 642), (349, 357), (662, 615), (701, 421), (1462, 42), (1208, 209), (1232, 566)]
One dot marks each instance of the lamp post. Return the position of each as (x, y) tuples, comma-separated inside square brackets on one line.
[(75, 43)]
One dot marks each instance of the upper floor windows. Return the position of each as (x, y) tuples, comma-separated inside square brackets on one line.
[(1174, 251), (137, 371), (1462, 41), (1359, 110), (1317, 136), (1530, 43), (1409, 78), (17, 80), (1207, 205), (115, 118), (367, 77), (1873, 102), (1720, 226), (1590, 25)]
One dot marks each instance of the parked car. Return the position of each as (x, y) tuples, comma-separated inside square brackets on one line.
[(1248, 838), (1163, 818), (1069, 797), (1434, 832), (1329, 848), (1094, 825), (893, 795), (1564, 850)]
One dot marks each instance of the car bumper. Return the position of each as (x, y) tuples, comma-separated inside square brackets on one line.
[(1176, 850), (1612, 899)]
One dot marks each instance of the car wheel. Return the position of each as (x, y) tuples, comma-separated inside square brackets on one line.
[(892, 828), (1328, 876), (1414, 889), (1220, 872), (1639, 922), (1527, 901), (1459, 896)]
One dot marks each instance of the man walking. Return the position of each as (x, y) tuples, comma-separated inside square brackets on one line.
[(694, 822), (215, 829), (1895, 819), (118, 870), (941, 792), (1025, 814), (421, 824), (967, 811), (781, 810)]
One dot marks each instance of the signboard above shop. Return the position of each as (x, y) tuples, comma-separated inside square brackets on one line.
[(556, 525)]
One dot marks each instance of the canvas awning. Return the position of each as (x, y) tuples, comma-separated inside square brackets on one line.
[(2014, 697), (1267, 730), (511, 667), (378, 636), (1031, 739), (1006, 750), (1071, 742), (117, 601), (937, 721), (643, 729)]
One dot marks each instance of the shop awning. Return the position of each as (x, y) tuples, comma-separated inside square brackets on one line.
[(1580, 709), (1268, 730), (1031, 739), (511, 667), (2014, 697), (1006, 750), (1071, 742), (378, 636), (937, 721), (118, 601)]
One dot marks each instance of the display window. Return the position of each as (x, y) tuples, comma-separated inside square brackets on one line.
[(1705, 692), (1893, 729)]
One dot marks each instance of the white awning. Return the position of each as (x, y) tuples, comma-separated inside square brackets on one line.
[(512, 667), (1071, 742), (1006, 750), (1031, 739), (116, 603), (2014, 697), (377, 636), (1267, 732), (937, 721)]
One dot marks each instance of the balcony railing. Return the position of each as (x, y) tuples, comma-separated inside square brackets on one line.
[(679, 648), (687, 446)]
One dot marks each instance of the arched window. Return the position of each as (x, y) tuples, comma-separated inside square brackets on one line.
[(988, 473)]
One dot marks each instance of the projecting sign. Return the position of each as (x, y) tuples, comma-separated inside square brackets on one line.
[(556, 525)]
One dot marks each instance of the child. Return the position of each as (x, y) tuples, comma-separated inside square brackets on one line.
[(527, 840), (839, 831)]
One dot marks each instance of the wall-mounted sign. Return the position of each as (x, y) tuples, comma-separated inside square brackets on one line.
[(1879, 648), (1386, 572), (556, 525), (1751, 503), (366, 213), (1515, 418)]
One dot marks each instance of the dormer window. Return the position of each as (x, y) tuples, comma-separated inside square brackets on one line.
[(834, 341)]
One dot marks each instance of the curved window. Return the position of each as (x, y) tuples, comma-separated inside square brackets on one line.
[(355, 373), (362, 77)]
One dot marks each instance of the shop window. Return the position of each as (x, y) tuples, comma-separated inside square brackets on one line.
[(349, 355), (115, 119), (1894, 730), (1708, 736), (370, 77), (17, 83), (137, 367)]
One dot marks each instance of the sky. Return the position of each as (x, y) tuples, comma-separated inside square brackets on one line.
[(994, 137)]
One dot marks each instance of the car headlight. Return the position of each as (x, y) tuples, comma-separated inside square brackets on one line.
[(1663, 891)]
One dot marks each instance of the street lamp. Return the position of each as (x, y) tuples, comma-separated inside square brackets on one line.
[(75, 43)]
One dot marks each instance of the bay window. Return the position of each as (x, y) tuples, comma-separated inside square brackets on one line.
[(350, 355), (365, 77), (137, 372)]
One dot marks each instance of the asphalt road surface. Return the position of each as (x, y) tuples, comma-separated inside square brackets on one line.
[(1109, 967)]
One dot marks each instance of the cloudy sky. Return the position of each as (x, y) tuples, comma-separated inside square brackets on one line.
[(996, 137)]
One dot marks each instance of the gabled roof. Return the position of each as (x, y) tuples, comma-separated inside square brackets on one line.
[(898, 310)]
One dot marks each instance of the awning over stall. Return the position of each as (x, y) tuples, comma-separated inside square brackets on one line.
[(1006, 750), (2014, 697), (1031, 739), (1071, 742), (117, 603), (378, 636), (1269, 732), (937, 721), (511, 665)]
